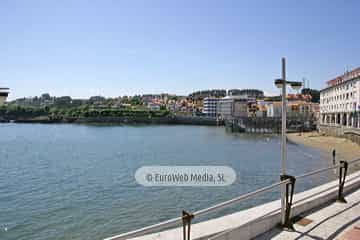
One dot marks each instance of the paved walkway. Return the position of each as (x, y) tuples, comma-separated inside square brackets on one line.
[(335, 221)]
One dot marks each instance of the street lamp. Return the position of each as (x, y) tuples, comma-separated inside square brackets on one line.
[(282, 83), (294, 85)]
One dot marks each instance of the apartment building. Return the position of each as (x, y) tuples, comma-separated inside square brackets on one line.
[(210, 105), (340, 101), (232, 106)]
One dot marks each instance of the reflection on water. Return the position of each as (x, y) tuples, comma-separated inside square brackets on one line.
[(77, 181)]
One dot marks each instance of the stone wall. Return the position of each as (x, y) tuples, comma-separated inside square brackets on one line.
[(270, 124), (352, 134), (186, 120)]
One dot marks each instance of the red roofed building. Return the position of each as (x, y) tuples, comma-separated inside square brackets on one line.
[(345, 77)]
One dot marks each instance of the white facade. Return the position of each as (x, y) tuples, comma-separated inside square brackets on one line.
[(210, 105), (274, 109), (153, 106), (232, 106), (340, 101)]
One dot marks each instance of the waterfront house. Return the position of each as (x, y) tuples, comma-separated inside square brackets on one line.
[(153, 106), (273, 109), (232, 106), (261, 110), (210, 106)]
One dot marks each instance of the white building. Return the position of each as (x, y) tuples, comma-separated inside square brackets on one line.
[(153, 106), (4, 92), (274, 109), (232, 106), (210, 104), (340, 101)]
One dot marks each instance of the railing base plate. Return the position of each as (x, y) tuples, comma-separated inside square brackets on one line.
[(289, 227), (341, 200)]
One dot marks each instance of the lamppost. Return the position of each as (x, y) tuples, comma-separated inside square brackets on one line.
[(282, 83)]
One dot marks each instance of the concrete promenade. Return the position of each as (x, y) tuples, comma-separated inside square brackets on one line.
[(334, 221), (327, 219)]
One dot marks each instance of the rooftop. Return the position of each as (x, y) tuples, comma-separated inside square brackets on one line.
[(349, 75), (235, 97)]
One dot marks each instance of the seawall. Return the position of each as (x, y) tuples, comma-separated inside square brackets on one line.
[(182, 120), (269, 124), (352, 134)]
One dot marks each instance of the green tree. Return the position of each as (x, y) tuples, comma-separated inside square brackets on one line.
[(315, 94)]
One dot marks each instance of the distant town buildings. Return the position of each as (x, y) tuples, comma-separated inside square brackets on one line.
[(232, 106), (154, 106), (303, 109), (211, 103), (4, 92), (340, 100), (224, 104), (253, 103)]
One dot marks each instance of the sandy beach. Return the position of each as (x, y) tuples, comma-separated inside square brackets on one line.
[(345, 149)]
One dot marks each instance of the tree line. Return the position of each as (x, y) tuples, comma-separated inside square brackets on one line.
[(28, 112)]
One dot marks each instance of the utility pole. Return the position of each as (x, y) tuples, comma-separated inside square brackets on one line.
[(282, 84), (283, 138)]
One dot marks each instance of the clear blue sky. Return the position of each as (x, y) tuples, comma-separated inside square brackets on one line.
[(83, 48)]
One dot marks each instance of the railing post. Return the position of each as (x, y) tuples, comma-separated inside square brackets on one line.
[(289, 193), (186, 218), (342, 175), (334, 161)]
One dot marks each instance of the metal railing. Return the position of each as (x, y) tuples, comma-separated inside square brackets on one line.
[(340, 197), (186, 218)]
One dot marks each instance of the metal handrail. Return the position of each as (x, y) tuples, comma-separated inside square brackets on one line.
[(217, 236), (238, 199), (317, 171), (354, 161), (177, 221), (149, 229), (325, 169)]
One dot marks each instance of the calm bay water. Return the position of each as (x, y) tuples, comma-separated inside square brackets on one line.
[(77, 181)]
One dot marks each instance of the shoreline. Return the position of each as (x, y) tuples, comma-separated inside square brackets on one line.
[(125, 120), (345, 149)]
